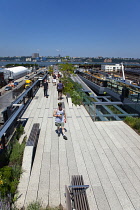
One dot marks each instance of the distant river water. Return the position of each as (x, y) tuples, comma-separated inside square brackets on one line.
[(54, 63)]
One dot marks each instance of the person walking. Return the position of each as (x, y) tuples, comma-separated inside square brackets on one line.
[(45, 84), (60, 119), (54, 79), (60, 87), (58, 75), (49, 78)]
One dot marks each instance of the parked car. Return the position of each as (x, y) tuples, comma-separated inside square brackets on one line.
[(8, 88), (15, 83), (26, 77)]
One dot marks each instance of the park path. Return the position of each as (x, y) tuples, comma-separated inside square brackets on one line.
[(107, 154)]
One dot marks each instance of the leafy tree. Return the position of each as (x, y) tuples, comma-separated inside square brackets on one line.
[(66, 69), (28, 65), (50, 69)]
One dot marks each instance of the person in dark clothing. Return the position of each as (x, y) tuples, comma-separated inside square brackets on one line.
[(125, 93), (60, 87), (58, 75), (45, 84)]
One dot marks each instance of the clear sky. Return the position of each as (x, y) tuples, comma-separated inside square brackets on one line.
[(70, 27)]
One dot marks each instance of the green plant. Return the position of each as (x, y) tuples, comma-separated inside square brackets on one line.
[(5, 180), (56, 208), (114, 109), (16, 171), (50, 69), (4, 159), (130, 121), (74, 89), (133, 122), (19, 132), (16, 154), (137, 123), (8, 181), (9, 175), (34, 206), (67, 69)]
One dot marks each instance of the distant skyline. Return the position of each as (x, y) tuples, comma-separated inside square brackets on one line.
[(77, 28)]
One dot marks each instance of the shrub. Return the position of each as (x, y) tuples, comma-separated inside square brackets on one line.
[(16, 154), (16, 171), (19, 132), (5, 180), (133, 122), (56, 208), (137, 123), (34, 206), (4, 158), (9, 175), (74, 89)]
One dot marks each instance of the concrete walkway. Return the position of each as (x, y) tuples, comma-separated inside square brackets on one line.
[(107, 154)]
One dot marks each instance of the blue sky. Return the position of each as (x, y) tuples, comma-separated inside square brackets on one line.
[(75, 28)]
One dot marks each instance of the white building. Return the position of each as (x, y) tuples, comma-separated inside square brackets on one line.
[(114, 67), (28, 59)]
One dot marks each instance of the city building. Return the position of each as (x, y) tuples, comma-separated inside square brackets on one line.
[(108, 68), (35, 55), (107, 60), (28, 59)]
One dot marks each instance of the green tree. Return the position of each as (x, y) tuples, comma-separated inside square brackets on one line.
[(66, 69), (50, 69)]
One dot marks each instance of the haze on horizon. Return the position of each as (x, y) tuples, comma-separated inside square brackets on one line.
[(77, 28)]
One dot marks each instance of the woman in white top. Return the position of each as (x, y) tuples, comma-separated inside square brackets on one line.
[(60, 119)]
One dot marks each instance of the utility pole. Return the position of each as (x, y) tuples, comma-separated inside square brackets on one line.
[(123, 71)]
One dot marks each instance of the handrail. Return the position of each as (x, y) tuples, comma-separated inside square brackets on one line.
[(25, 93), (16, 111), (10, 121)]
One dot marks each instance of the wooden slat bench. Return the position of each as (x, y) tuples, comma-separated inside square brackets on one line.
[(28, 158), (32, 140), (76, 197)]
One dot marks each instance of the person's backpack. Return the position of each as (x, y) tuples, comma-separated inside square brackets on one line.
[(59, 86)]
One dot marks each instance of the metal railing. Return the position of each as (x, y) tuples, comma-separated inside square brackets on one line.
[(15, 110)]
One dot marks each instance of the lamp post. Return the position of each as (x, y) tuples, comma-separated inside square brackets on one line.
[(123, 71)]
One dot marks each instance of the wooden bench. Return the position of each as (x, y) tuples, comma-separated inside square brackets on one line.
[(28, 158), (33, 140), (33, 137), (76, 197)]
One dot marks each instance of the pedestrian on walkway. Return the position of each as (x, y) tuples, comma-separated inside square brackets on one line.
[(45, 84), (59, 75), (60, 119), (60, 87), (54, 79), (49, 78)]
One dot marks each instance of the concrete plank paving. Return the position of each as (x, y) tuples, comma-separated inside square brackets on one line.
[(103, 183), (107, 154), (123, 176), (97, 145)]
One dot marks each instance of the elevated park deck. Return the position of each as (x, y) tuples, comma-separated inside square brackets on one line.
[(107, 154)]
